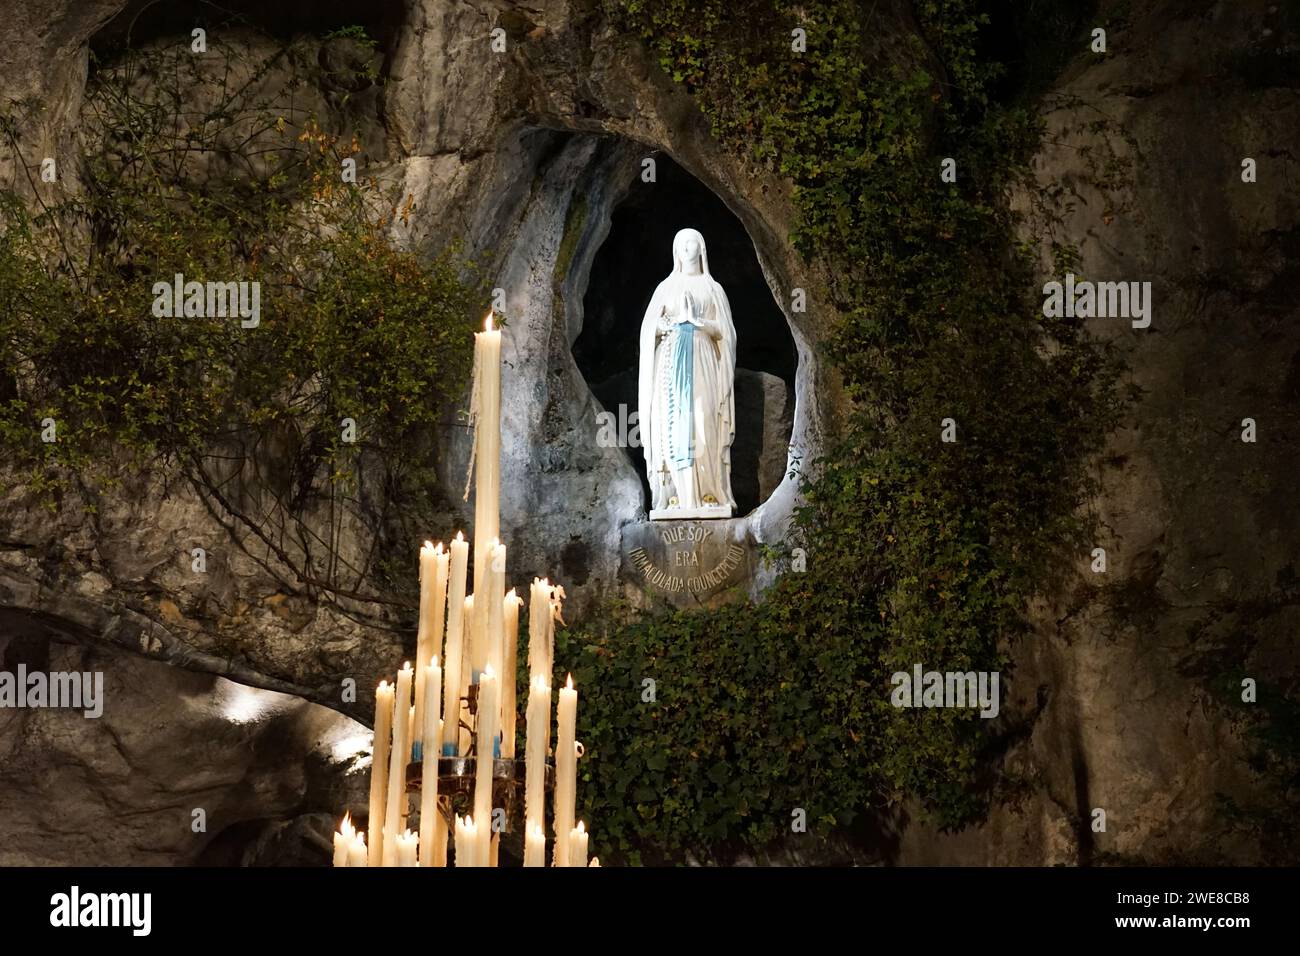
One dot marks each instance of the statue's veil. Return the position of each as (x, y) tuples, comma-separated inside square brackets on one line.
[(679, 240)]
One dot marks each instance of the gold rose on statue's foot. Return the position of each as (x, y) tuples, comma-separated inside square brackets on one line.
[(672, 501), (710, 500)]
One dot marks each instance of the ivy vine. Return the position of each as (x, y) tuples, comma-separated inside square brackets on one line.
[(918, 551)]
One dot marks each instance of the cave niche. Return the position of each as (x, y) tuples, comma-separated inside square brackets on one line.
[(634, 257)]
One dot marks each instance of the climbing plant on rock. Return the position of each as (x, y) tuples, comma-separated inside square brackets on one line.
[(359, 346), (918, 550)]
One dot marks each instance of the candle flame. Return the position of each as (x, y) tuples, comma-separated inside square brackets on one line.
[(487, 321), (433, 665), (539, 683), (405, 667), (595, 861), (487, 673), (428, 546), (460, 536), (581, 827), (346, 830), (383, 686), (569, 683)]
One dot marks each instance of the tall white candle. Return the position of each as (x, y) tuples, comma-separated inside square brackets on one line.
[(485, 745), (509, 674), (429, 814), (489, 592), (485, 411), (343, 840), (538, 720), (539, 623), (465, 740), (379, 770), (496, 613), (434, 563), (566, 769), (578, 845), (440, 828), (451, 691), (398, 757), (410, 735)]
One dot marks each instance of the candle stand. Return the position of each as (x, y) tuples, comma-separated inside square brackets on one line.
[(473, 716), (456, 785), (456, 777)]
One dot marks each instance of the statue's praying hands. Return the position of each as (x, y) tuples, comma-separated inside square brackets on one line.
[(688, 309)]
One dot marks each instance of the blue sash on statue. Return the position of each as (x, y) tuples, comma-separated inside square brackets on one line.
[(681, 415)]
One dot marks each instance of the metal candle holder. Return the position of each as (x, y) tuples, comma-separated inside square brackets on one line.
[(456, 777)]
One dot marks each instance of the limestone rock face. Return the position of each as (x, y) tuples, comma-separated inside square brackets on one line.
[(123, 789), (510, 155), (521, 156), (762, 452), (1114, 697)]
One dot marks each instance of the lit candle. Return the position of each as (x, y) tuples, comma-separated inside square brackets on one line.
[(397, 759), (357, 851), (343, 840), (379, 770), (410, 735), (595, 861), (534, 846), (509, 670), (455, 636), (485, 745), (434, 564), (471, 854), (566, 770), (406, 849), (538, 722), (429, 815), (439, 828), (485, 416), (578, 845), (539, 630), (466, 837), (496, 614), (489, 597)]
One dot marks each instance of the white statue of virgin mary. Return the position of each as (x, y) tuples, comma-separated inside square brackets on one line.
[(685, 389)]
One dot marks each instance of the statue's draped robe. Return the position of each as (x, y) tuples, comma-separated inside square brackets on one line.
[(688, 456)]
